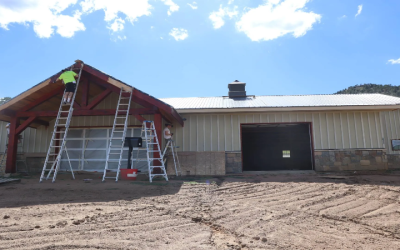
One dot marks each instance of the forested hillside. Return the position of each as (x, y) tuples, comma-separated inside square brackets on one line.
[(372, 88)]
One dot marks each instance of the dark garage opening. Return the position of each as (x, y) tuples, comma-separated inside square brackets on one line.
[(267, 147)]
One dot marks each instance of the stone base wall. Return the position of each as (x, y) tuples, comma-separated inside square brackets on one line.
[(342, 160), (233, 162), (34, 165), (198, 163), (393, 162)]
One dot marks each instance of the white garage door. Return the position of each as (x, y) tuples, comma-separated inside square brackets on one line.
[(87, 150)]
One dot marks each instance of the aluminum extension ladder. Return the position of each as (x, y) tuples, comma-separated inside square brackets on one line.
[(51, 153), (149, 133), (171, 147), (117, 139)]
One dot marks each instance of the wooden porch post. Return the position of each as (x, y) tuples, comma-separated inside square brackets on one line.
[(12, 146)]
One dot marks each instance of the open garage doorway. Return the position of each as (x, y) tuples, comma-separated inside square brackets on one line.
[(280, 146)]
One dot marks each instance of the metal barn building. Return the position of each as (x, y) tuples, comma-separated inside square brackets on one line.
[(216, 135)]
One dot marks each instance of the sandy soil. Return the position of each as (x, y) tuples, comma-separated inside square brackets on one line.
[(297, 211)]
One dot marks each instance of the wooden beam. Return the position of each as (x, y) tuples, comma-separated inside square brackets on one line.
[(12, 146), (140, 118), (98, 99), (24, 125), (7, 112), (117, 91), (95, 73), (155, 102), (85, 92), (138, 96), (85, 112), (76, 105), (44, 98)]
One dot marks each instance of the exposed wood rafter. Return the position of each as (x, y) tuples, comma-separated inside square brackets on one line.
[(24, 125), (98, 99)]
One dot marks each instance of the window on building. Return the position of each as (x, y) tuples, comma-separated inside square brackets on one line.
[(286, 153)]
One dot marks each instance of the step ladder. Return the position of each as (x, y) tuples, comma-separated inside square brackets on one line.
[(118, 134), (171, 147), (153, 146), (53, 159)]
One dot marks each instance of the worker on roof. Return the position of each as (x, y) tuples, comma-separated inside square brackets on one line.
[(68, 77)]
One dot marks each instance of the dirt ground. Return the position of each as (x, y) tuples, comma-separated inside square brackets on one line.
[(274, 211)]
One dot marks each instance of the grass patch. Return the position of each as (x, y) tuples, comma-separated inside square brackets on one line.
[(191, 182)]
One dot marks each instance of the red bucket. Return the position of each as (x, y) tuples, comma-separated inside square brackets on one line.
[(128, 174)]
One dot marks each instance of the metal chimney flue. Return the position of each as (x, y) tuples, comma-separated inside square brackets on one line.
[(237, 89)]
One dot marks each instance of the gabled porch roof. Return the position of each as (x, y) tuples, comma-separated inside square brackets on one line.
[(41, 102)]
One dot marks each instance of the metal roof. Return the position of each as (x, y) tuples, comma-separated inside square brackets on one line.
[(224, 102)]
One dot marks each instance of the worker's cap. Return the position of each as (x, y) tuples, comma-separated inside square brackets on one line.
[(168, 124)]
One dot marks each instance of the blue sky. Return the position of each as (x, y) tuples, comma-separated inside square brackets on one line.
[(179, 48)]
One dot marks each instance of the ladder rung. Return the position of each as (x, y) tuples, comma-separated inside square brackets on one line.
[(158, 175), (120, 124), (154, 151), (124, 104), (113, 160)]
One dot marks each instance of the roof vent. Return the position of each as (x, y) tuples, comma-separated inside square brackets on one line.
[(237, 89)]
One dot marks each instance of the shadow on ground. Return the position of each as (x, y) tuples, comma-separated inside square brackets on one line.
[(65, 190)]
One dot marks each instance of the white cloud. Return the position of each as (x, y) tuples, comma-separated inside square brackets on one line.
[(217, 17), (394, 61), (360, 7), (193, 5), (132, 10), (172, 6), (117, 25), (179, 34), (230, 1), (343, 17), (277, 18), (45, 16)]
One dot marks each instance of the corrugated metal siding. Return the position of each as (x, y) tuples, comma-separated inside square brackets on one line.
[(281, 101), (331, 130), (391, 129)]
